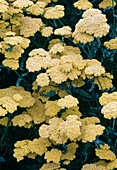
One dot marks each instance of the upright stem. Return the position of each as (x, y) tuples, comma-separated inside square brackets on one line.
[(5, 129)]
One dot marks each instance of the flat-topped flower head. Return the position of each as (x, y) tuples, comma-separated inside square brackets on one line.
[(107, 3), (67, 101), (54, 12), (83, 4)]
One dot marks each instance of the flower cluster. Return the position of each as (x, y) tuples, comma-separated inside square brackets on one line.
[(92, 24), (12, 97), (83, 4), (110, 105)]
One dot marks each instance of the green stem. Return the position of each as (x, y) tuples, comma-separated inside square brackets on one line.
[(3, 136), (100, 84), (114, 21), (89, 52), (114, 121)]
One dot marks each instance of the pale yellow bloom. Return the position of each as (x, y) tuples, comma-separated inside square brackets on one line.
[(43, 79), (83, 4), (54, 12), (68, 101)]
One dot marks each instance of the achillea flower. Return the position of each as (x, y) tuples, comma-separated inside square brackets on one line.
[(105, 153), (93, 23), (69, 50), (14, 15), (112, 164), (112, 44), (108, 98), (106, 3), (37, 8), (25, 147), (3, 28), (11, 63), (83, 4), (10, 103), (47, 31), (53, 42), (29, 26), (54, 12), (89, 132), (36, 63), (89, 167), (56, 75), (110, 110), (64, 31), (89, 120), (60, 131), (54, 155), (22, 4), (49, 166), (21, 120), (3, 6), (82, 37), (40, 52), (70, 127), (51, 108), (68, 101), (43, 79), (3, 111), (57, 48), (37, 112), (95, 70), (99, 166)]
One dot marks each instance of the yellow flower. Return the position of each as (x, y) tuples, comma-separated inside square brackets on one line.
[(22, 3), (3, 6), (110, 110), (89, 132), (50, 166), (93, 23), (112, 164), (21, 120), (37, 112), (64, 31), (37, 8), (3, 111), (106, 3), (95, 70), (57, 48), (51, 108), (47, 31), (105, 153), (54, 12), (83, 4), (43, 79), (112, 44), (53, 155), (68, 101), (29, 26)]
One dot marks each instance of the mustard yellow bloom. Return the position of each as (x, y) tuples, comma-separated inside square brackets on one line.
[(53, 155)]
